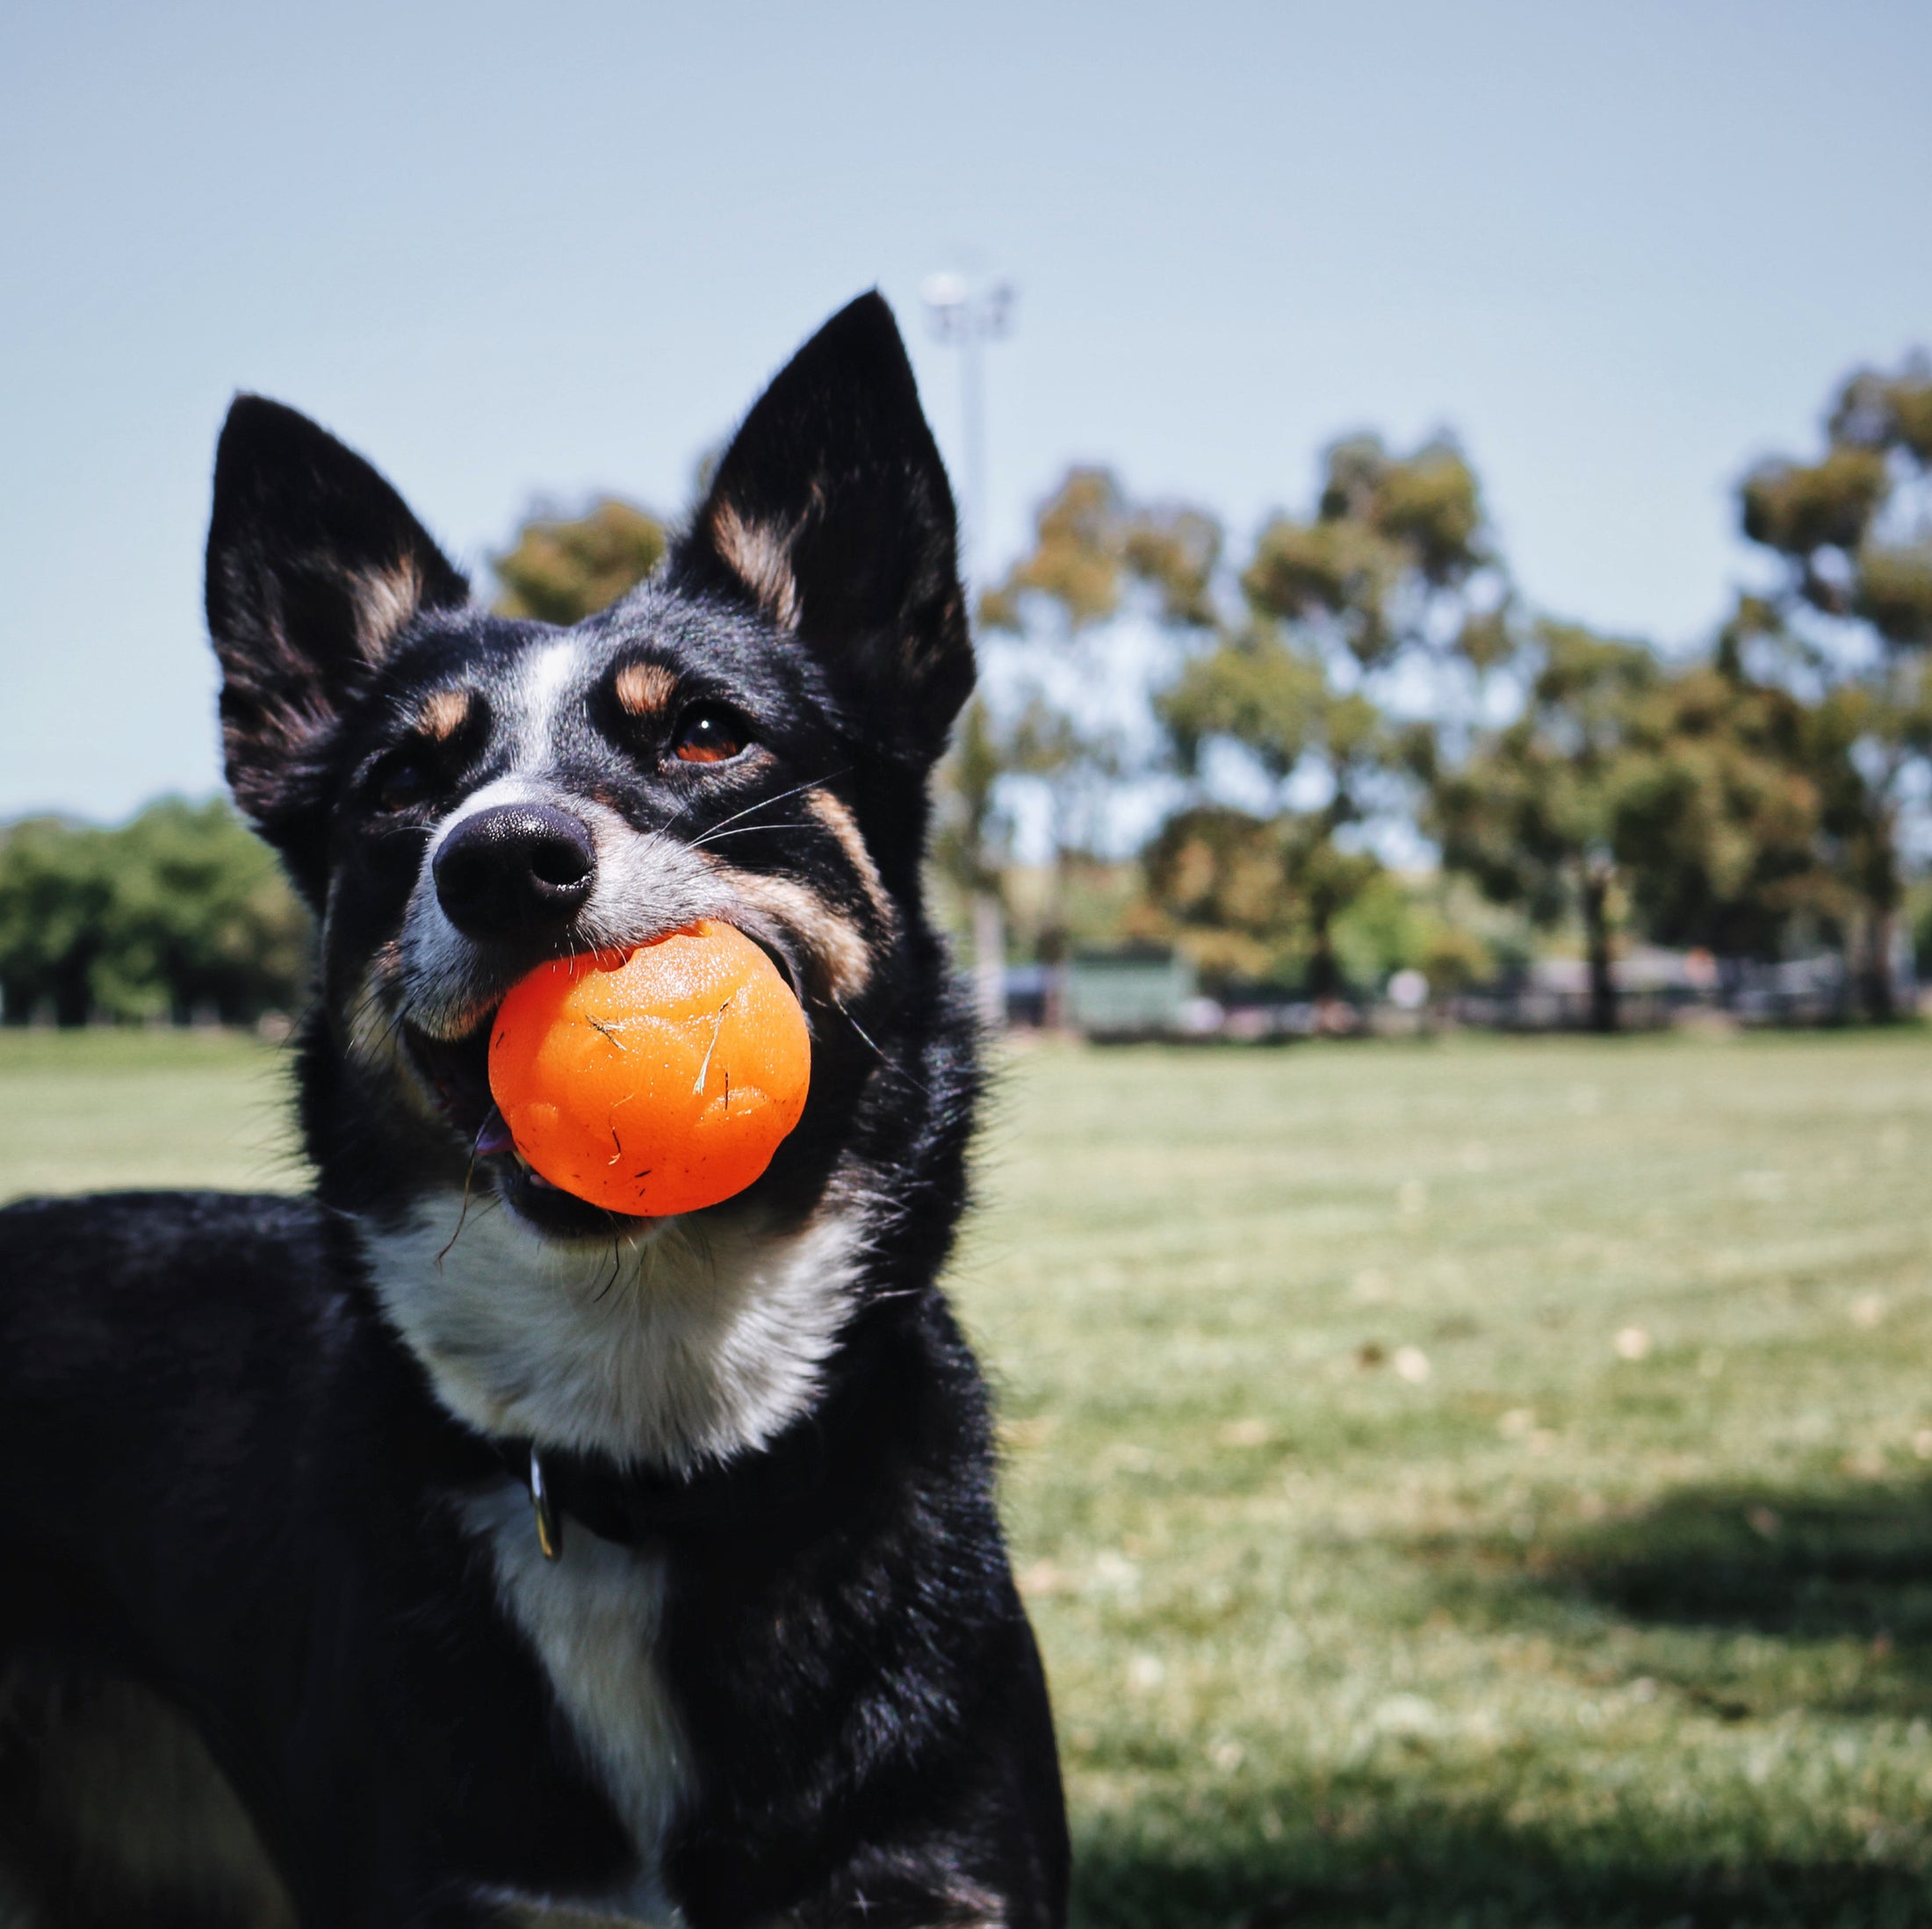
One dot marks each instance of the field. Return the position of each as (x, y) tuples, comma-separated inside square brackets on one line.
[(1460, 1482)]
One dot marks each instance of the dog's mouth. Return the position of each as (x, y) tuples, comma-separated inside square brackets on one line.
[(456, 1072)]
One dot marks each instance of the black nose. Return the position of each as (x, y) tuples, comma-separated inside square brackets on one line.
[(516, 869)]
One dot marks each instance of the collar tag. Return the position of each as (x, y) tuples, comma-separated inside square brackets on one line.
[(550, 1529)]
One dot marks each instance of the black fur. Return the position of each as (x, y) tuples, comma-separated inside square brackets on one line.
[(303, 538), (229, 1479), (836, 465)]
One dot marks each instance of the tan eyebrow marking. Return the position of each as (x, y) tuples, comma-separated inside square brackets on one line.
[(643, 689), (443, 715)]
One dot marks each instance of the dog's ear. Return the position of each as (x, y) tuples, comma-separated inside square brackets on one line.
[(315, 566), (830, 513)]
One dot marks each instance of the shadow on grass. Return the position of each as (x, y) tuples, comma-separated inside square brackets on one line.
[(1838, 1578), (1834, 1582), (1807, 1565), (1440, 1872), (1841, 1578)]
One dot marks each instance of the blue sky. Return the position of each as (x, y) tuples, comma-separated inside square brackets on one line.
[(521, 252)]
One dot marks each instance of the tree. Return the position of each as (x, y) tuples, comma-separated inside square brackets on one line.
[(1395, 567), (969, 834), (1092, 543), (1531, 812), (1395, 560), (1851, 620), (970, 840), (1257, 690), (1720, 817), (1259, 897), (1095, 551), (54, 894), (202, 919), (563, 569), (183, 910)]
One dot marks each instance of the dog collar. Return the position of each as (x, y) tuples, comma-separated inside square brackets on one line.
[(770, 1490), (635, 1505)]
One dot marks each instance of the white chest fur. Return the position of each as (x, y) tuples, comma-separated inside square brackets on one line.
[(593, 1618), (689, 1341)]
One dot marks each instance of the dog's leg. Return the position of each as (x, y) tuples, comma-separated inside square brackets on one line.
[(112, 1811)]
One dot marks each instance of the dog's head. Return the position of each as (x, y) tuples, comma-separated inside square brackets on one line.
[(460, 796)]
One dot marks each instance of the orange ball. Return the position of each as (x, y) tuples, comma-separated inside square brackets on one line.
[(655, 1081)]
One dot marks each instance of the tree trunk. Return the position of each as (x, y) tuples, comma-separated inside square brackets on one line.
[(1603, 985), (1880, 889), (73, 999), (1874, 972), (1324, 974), (989, 962)]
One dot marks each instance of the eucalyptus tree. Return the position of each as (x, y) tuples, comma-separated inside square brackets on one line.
[(1064, 700), (1363, 624), (1729, 797), (561, 569), (1531, 812), (1851, 624)]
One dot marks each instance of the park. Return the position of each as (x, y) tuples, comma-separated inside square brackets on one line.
[(1338, 600), (1460, 1481)]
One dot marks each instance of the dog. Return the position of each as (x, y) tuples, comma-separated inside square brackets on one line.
[(439, 1549)]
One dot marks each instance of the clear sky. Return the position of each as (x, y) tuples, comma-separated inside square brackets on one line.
[(1619, 248)]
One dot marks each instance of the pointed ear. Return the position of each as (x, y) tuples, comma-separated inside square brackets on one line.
[(314, 568), (830, 512)]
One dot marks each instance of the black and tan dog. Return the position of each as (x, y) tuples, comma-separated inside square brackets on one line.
[(283, 1634)]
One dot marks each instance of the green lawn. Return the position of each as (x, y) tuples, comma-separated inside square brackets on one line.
[(1473, 1483), (83, 1111)]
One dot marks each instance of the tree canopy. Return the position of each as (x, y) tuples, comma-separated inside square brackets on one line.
[(1393, 564), (1369, 664), (1851, 622), (561, 569), (1395, 557), (181, 912), (1280, 724)]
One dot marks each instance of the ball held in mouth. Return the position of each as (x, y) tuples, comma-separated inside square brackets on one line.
[(653, 1081)]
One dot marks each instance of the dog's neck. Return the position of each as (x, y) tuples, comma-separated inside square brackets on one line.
[(689, 1343)]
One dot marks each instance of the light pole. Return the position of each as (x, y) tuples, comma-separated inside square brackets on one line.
[(968, 318)]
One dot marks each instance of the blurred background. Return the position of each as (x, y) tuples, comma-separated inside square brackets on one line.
[(1448, 494)]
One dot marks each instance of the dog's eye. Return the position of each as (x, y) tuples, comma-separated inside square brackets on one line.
[(710, 733), (401, 783)]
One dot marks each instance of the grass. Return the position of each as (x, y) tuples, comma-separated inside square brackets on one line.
[(84, 1111), (1477, 1483), (1474, 1483)]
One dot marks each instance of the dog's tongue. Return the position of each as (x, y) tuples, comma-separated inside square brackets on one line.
[(495, 1137)]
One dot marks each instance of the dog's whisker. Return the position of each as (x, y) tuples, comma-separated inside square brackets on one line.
[(765, 804), (469, 1175), (765, 830), (617, 1260), (889, 1063)]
